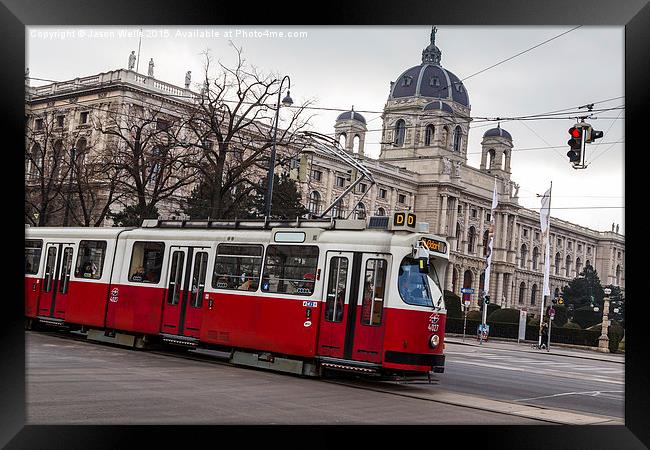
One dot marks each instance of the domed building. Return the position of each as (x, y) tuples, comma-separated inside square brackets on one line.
[(422, 167)]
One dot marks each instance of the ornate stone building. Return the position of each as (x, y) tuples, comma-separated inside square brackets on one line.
[(423, 168)]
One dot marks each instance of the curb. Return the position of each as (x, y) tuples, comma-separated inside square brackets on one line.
[(529, 350)]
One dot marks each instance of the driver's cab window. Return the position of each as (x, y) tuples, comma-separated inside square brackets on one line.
[(418, 288)]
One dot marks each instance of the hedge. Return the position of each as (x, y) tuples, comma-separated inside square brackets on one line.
[(505, 315), (511, 331)]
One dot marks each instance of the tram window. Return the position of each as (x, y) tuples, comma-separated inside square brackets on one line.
[(50, 265), (198, 279), (66, 268), (90, 260), (33, 250), (237, 266), (337, 280), (290, 269), (175, 278), (146, 262), (373, 292), (414, 285)]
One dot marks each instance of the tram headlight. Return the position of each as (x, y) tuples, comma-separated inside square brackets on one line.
[(434, 341)]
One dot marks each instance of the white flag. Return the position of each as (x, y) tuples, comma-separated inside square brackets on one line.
[(545, 224), (486, 283)]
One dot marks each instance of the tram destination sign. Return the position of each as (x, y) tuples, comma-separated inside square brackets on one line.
[(435, 245)]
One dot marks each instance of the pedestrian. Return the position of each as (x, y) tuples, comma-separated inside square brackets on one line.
[(544, 335)]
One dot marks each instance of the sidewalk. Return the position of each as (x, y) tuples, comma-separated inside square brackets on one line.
[(526, 346)]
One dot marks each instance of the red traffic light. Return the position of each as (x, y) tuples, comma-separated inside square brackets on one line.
[(575, 132)]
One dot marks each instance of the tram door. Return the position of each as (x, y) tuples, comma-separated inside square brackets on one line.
[(331, 338), (185, 286), (56, 280)]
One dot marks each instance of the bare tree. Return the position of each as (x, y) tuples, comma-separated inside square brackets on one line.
[(232, 127), (46, 167), (145, 145)]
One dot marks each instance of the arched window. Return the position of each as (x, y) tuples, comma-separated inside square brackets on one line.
[(533, 295), (34, 161), (522, 292), (568, 266), (523, 255), (56, 158), (490, 158), (400, 132), (558, 259), (314, 205), (457, 139), (156, 154), (355, 143), (360, 211), (428, 135), (467, 279), (578, 266), (618, 275), (80, 152), (535, 257), (503, 160), (457, 235), (556, 294), (486, 241), (588, 263), (381, 212), (343, 139), (471, 239)]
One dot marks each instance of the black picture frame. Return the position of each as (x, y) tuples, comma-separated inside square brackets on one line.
[(634, 15)]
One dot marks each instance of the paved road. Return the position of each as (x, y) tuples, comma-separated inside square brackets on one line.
[(78, 382), (506, 372)]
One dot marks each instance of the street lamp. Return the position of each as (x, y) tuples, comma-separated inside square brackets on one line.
[(603, 340), (286, 101)]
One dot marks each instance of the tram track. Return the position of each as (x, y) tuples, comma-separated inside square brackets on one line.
[(412, 389)]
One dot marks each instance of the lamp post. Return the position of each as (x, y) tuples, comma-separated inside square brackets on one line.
[(286, 101), (603, 340)]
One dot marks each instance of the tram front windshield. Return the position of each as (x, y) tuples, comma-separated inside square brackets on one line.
[(417, 288)]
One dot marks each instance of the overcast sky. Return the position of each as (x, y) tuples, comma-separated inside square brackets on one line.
[(344, 66)]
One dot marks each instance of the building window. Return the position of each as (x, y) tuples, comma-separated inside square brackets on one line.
[(428, 135), (38, 123), (59, 121), (401, 198), (535, 257), (474, 213), (457, 139), (83, 118), (522, 292), (525, 232), (619, 255), (588, 250), (568, 266), (90, 259), (340, 181), (362, 188), (317, 175), (434, 81), (559, 242), (578, 266), (146, 262), (569, 245), (407, 80), (400, 132), (382, 193), (533, 295), (471, 238), (162, 124), (558, 258), (460, 209), (523, 256), (237, 266), (373, 292), (488, 217), (486, 242), (381, 212), (314, 205), (360, 211), (290, 269), (579, 247)]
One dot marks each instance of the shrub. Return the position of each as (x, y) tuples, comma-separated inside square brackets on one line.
[(615, 333), (561, 315), (452, 302), (474, 315), (505, 315), (572, 325), (586, 317)]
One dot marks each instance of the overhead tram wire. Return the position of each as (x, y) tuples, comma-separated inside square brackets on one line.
[(599, 143)]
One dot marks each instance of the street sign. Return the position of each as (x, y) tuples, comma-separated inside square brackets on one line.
[(466, 303), (467, 291)]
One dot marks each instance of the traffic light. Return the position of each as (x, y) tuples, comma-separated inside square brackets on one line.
[(555, 301), (591, 135), (561, 301), (575, 143), (486, 300)]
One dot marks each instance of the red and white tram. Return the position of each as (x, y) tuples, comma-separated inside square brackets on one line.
[(298, 297)]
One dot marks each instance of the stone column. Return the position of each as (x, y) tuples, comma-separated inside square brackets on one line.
[(329, 180), (454, 219), (373, 200), (504, 235), (465, 235), (499, 290), (442, 228)]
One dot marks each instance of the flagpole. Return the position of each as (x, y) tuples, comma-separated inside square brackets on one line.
[(547, 250), (137, 63), (486, 280)]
